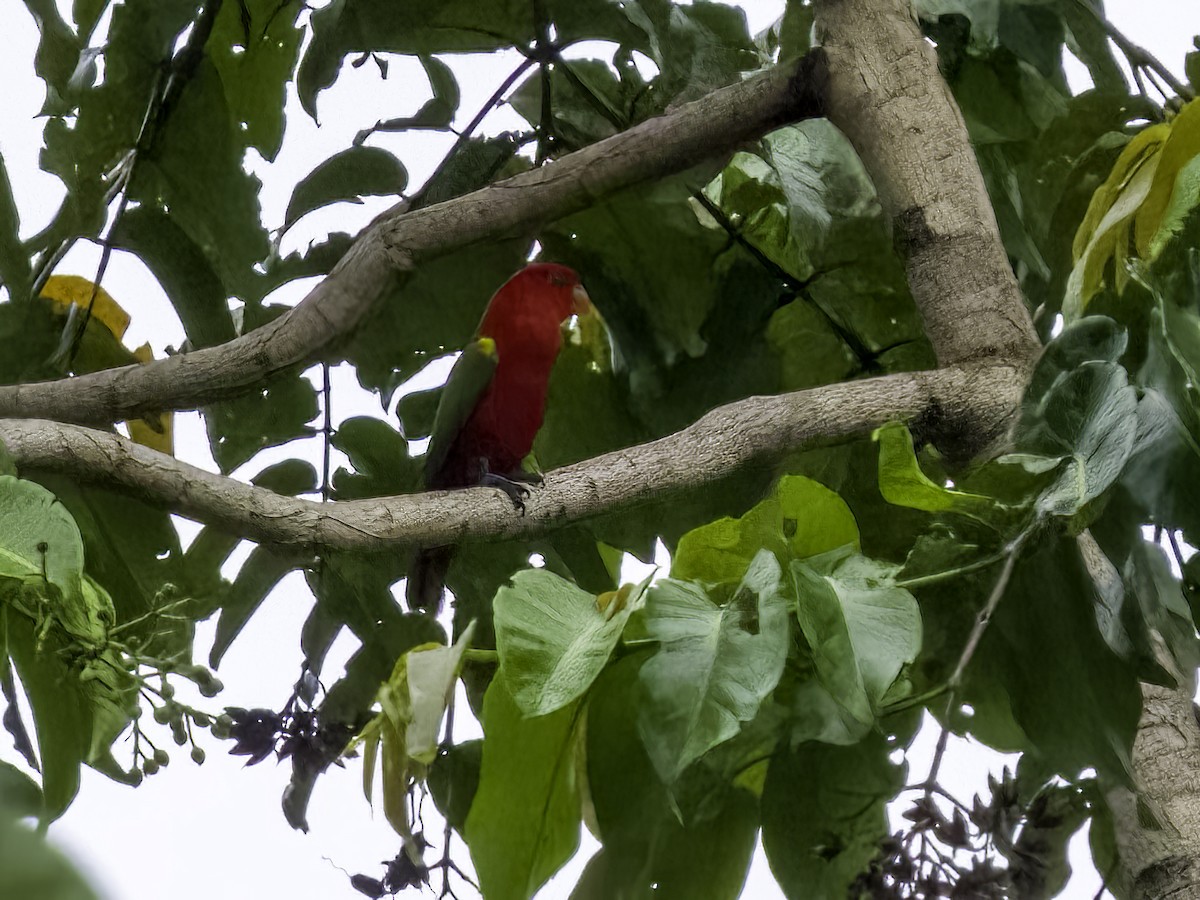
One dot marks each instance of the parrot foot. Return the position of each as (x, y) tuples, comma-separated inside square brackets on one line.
[(516, 491), (523, 477)]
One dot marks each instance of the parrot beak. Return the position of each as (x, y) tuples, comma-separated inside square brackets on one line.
[(590, 328), (581, 303)]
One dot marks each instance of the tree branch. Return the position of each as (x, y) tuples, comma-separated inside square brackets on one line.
[(393, 246), (754, 431), (887, 96)]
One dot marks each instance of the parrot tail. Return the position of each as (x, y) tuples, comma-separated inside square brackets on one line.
[(427, 578)]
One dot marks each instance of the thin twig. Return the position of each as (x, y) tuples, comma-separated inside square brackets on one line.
[(1173, 541), (543, 50), (465, 135), (326, 431), (798, 286), (954, 682), (1137, 56), (183, 66), (448, 831)]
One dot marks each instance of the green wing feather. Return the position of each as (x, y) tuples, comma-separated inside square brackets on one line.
[(469, 378)]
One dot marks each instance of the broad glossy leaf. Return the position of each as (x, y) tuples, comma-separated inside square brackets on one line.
[(801, 518), (433, 313), (1075, 700), (1174, 187), (182, 269), (647, 850), (861, 628), (254, 46), (379, 455), (902, 482), (437, 112), (1106, 234), (823, 814), (196, 174), (524, 820), (554, 639), (442, 26), (133, 551), (453, 779), (39, 540), (1090, 418), (349, 175), (714, 664)]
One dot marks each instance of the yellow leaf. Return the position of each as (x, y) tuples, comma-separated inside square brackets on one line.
[(1180, 148), (1109, 239), (65, 291)]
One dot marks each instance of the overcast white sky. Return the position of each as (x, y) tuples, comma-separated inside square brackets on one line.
[(192, 833)]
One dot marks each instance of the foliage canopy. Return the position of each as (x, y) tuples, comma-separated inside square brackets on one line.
[(815, 606)]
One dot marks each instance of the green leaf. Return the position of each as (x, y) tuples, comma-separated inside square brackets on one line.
[(57, 53), (196, 175), (133, 551), (1076, 701), (801, 518), (20, 797), (257, 577), (554, 639), (861, 628), (39, 540), (350, 698), (416, 412), (182, 269), (14, 261), (254, 46), (277, 411), (379, 455), (647, 850), (1089, 417), (432, 675), (823, 814), (349, 175), (62, 717), (809, 349), (714, 665), (29, 867), (437, 112), (425, 27), (806, 202), (453, 780), (524, 821), (902, 482)]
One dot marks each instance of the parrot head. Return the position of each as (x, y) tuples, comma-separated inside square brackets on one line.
[(538, 299)]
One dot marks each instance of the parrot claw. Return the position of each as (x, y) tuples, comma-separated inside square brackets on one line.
[(516, 491)]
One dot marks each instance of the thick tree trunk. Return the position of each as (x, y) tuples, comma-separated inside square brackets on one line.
[(1161, 859)]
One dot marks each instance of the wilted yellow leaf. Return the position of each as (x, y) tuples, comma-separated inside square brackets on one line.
[(65, 291)]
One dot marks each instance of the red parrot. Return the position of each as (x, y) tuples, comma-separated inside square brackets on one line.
[(493, 402)]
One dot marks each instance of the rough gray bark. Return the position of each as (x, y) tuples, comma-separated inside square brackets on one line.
[(886, 94), (753, 431), (1161, 859)]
